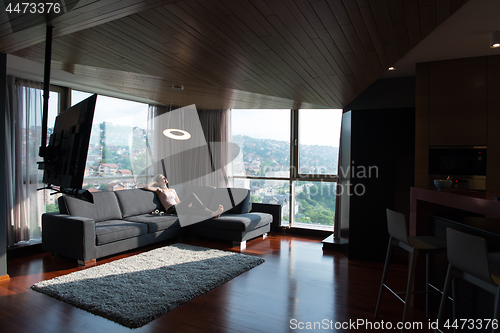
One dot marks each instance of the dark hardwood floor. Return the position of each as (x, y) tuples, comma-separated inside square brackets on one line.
[(298, 284)]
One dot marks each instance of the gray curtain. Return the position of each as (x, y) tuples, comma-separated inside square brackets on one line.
[(200, 160), (23, 120), (216, 125)]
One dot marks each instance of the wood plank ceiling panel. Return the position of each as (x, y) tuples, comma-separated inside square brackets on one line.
[(232, 49), (396, 9), (322, 67), (232, 42), (87, 14), (232, 53)]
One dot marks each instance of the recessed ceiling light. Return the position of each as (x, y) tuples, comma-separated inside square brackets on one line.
[(392, 68), (176, 134), (495, 39)]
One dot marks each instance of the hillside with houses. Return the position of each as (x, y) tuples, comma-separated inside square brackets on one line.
[(264, 155), (115, 152)]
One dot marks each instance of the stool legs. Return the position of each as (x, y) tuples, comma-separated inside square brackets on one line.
[(414, 253), (427, 291), (454, 304), (411, 276), (496, 313), (450, 284), (446, 290), (388, 258), (409, 286)]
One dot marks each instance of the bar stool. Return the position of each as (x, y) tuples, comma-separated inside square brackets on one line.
[(469, 260), (416, 245)]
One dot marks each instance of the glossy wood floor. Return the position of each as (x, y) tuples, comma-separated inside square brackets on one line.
[(298, 281)]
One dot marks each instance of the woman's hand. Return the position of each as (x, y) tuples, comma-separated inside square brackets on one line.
[(151, 186)]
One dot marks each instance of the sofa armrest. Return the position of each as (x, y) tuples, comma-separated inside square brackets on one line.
[(273, 209), (69, 236)]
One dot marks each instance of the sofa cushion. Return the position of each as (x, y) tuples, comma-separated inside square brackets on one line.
[(241, 197), (156, 222), (137, 202), (237, 222), (115, 230), (204, 193), (105, 207)]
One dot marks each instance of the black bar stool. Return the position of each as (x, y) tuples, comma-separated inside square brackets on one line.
[(469, 259), (398, 231)]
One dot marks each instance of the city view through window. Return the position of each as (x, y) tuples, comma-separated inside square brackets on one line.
[(117, 149), (307, 197), (117, 156)]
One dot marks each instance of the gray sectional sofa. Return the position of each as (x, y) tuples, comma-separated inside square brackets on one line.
[(119, 221)]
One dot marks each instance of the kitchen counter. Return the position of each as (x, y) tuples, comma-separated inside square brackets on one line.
[(453, 204), (470, 300), (473, 212)]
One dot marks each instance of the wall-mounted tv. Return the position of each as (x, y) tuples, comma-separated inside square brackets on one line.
[(66, 153)]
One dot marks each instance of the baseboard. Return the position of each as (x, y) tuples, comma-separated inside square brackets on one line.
[(4, 278), (18, 251), (307, 232)]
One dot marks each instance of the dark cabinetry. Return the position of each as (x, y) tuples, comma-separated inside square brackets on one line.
[(378, 164), (457, 104)]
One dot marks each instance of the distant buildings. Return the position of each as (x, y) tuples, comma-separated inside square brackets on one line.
[(107, 169), (277, 174), (115, 185), (283, 200), (110, 185), (124, 172), (51, 197)]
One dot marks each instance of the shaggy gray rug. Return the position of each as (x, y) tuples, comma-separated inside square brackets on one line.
[(135, 290)]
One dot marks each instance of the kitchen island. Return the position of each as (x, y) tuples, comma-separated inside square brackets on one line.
[(432, 211)]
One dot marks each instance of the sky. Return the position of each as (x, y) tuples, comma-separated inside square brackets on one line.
[(53, 107), (115, 110), (318, 127)]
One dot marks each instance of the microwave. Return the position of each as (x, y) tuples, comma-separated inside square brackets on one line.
[(466, 165)]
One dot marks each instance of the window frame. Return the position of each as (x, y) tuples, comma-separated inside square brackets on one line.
[(295, 176)]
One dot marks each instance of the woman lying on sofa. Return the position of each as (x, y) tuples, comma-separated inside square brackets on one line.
[(169, 199)]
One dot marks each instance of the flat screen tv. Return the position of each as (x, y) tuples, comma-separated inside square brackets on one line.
[(64, 162)]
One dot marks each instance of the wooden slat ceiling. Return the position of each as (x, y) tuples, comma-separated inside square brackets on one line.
[(232, 53)]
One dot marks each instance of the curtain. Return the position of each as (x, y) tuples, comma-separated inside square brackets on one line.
[(199, 160), (23, 120), (216, 125)]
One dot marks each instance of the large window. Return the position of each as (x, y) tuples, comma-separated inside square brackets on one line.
[(313, 189), (264, 163), (264, 140), (54, 109), (290, 157), (319, 135), (27, 198), (117, 151)]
